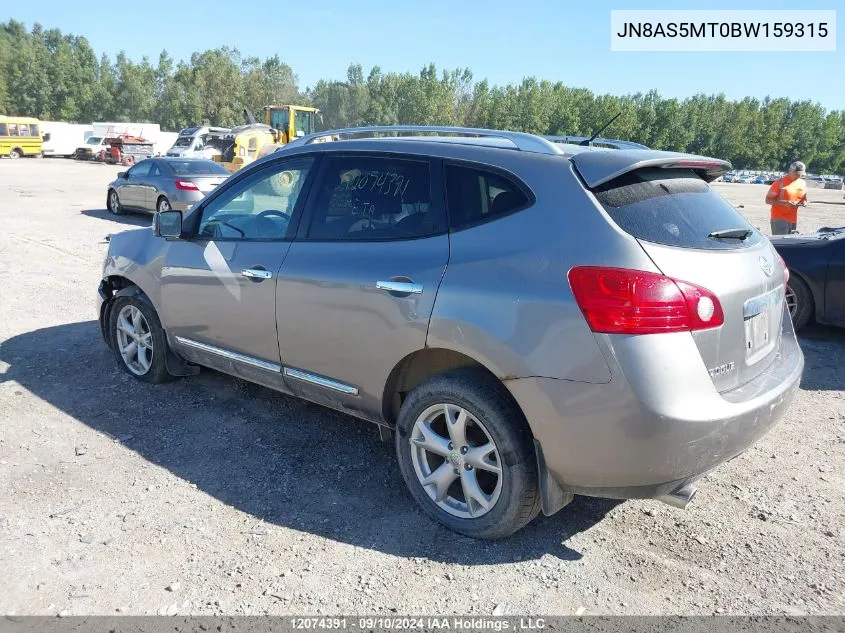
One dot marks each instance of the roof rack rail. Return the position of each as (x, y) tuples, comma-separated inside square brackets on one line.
[(521, 141)]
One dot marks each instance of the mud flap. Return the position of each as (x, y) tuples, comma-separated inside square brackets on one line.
[(552, 497)]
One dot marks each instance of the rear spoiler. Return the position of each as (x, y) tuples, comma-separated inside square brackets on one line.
[(597, 168), (612, 143)]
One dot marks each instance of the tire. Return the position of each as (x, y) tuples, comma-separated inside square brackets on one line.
[(513, 495), (15, 153), (283, 183), (163, 204), (113, 203), (800, 301), (153, 369)]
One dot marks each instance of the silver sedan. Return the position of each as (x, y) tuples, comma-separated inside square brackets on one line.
[(162, 184)]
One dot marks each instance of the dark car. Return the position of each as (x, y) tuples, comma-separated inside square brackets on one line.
[(816, 287)]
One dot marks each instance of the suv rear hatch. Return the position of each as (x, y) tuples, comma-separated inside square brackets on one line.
[(692, 234)]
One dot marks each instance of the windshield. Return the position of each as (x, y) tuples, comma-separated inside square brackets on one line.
[(94, 140), (197, 167), (183, 141)]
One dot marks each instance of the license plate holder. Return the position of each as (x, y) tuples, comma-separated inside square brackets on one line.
[(761, 317)]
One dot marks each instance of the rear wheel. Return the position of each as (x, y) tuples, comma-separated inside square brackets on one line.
[(467, 456), (163, 205), (800, 302), (113, 202), (15, 153)]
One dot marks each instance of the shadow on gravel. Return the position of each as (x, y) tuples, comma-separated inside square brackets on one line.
[(128, 217), (824, 349), (278, 458)]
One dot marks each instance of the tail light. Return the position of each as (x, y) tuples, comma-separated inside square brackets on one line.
[(622, 301), (186, 185), (785, 269)]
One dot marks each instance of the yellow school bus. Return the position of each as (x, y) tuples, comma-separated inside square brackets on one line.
[(20, 136)]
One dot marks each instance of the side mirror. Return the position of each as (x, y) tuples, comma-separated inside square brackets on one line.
[(123, 174), (168, 224)]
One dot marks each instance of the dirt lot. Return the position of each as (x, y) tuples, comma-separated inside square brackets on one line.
[(205, 497)]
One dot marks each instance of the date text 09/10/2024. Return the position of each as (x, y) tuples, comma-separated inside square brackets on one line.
[(457, 623)]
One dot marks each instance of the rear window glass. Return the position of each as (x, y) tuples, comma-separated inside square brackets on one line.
[(196, 167), (672, 207)]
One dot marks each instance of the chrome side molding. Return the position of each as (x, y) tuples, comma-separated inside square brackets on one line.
[(298, 374), (320, 381), (241, 358)]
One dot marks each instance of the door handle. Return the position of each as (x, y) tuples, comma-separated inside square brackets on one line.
[(256, 273), (400, 287)]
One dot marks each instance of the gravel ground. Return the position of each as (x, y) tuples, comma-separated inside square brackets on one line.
[(205, 496)]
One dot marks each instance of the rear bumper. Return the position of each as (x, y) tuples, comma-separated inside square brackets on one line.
[(183, 200), (646, 435)]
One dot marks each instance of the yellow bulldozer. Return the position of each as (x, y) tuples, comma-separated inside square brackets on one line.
[(246, 143)]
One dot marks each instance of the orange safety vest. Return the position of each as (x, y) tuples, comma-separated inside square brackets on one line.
[(787, 188)]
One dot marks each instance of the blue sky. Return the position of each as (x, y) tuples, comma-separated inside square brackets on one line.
[(503, 41)]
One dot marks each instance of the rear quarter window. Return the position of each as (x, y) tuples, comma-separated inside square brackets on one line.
[(672, 207), (476, 195)]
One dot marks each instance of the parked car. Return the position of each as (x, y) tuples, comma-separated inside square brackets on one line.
[(162, 184), (533, 321), (816, 287), (729, 177), (761, 180)]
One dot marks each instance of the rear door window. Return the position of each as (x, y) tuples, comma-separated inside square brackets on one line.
[(478, 195), (672, 207), (369, 198)]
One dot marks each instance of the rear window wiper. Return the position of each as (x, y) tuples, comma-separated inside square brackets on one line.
[(730, 234)]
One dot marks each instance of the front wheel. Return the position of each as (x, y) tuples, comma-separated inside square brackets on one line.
[(467, 456), (138, 340), (15, 153)]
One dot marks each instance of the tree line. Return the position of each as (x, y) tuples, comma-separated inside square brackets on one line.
[(56, 76)]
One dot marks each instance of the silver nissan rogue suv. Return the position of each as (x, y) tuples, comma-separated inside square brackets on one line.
[(532, 319)]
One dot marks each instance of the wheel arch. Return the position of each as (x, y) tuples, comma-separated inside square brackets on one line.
[(419, 366), (816, 292), (116, 286)]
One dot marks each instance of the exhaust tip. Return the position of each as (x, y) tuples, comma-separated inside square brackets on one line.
[(681, 497)]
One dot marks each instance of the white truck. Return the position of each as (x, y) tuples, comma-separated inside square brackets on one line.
[(62, 139), (193, 142), (94, 145)]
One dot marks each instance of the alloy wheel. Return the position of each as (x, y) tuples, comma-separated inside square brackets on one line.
[(134, 340), (791, 301), (456, 461)]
